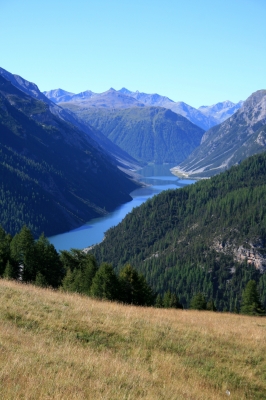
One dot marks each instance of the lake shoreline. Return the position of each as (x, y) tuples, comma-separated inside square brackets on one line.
[(153, 179)]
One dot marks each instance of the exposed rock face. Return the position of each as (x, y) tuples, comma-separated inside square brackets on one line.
[(253, 253), (227, 144)]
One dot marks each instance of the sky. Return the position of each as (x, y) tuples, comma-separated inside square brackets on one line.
[(199, 52)]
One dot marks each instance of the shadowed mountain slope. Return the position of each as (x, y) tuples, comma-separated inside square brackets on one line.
[(121, 158), (54, 177)]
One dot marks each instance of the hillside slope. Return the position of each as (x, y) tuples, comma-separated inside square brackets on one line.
[(54, 177), (60, 346), (149, 134), (120, 158), (204, 237), (227, 144)]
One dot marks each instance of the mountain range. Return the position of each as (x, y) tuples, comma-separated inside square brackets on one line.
[(90, 137), (54, 176), (204, 117), (227, 144), (99, 140)]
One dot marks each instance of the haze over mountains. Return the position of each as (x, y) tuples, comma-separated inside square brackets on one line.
[(227, 144), (204, 117)]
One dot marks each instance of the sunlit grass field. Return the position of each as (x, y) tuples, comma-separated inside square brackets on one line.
[(63, 346)]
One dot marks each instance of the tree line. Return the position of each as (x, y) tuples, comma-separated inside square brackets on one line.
[(37, 261), (185, 240)]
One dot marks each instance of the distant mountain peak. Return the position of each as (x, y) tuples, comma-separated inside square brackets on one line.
[(205, 116), (125, 91)]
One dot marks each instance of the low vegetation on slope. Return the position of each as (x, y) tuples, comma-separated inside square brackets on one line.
[(199, 238), (60, 346)]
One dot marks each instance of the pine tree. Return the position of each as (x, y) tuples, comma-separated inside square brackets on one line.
[(48, 262), (171, 301), (211, 306), (105, 284), (5, 240), (9, 271), (81, 269), (198, 302), (134, 288), (40, 280), (23, 253), (251, 304), (159, 301), (67, 281)]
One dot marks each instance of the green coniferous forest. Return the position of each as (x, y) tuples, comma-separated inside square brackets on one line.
[(186, 240), (26, 260)]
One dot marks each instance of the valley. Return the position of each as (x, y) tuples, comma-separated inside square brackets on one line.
[(133, 200), (86, 167), (156, 178)]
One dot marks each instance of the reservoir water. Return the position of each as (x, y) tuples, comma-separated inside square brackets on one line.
[(158, 177)]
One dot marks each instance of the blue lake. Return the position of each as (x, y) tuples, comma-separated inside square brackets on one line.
[(158, 177)]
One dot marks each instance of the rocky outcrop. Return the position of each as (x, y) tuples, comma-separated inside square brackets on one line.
[(252, 253)]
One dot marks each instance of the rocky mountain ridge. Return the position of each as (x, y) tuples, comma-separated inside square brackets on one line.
[(227, 144), (204, 117)]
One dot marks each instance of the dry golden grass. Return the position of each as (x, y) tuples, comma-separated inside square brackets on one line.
[(61, 346)]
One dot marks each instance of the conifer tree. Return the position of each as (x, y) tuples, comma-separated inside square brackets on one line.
[(5, 240), (198, 302), (9, 271), (251, 304), (210, 306), (48, 262), (159, 301), (40, 280), (81, 269), (67, 281), (171, 301), (23, 253), (105, 284)]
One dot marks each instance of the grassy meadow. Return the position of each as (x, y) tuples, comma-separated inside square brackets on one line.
[(55, 345)]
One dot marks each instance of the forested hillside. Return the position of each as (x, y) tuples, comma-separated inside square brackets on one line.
[(207, 237), (53, 177), (149, 134)]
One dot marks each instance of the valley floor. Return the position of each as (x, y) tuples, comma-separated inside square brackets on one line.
[(63, 346)]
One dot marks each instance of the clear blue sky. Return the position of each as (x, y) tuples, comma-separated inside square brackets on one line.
[(196, 51)]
